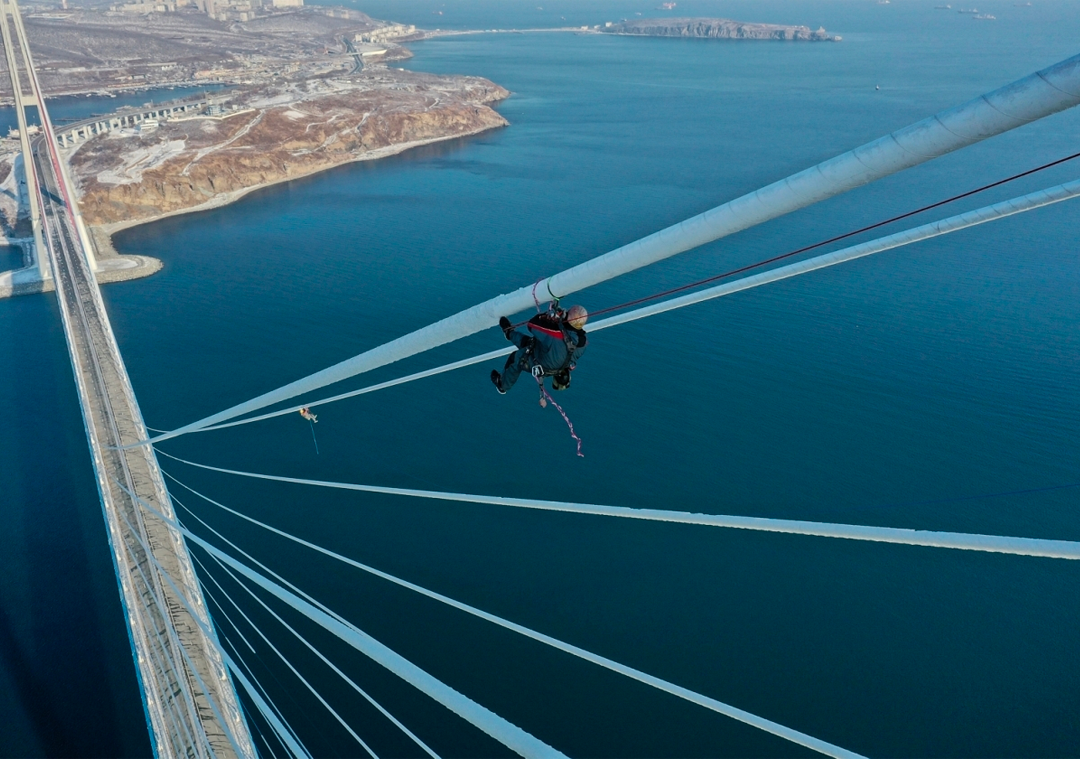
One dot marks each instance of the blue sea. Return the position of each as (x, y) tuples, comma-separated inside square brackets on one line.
[(897, 390)]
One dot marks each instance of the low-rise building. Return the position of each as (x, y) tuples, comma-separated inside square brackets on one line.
[(386, 33)]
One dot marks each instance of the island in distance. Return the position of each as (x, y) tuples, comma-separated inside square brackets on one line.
[(288, 91), (716, 28)]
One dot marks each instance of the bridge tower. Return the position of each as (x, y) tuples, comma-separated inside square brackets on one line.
[(29, 176), (18, 51)]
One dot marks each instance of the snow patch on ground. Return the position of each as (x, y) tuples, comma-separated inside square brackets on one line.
[(141, 159), (284, 98)]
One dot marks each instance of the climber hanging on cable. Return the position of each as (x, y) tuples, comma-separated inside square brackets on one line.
[(553, 345), (306, 413)]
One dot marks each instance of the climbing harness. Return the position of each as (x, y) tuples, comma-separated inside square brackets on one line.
[(537, 371)]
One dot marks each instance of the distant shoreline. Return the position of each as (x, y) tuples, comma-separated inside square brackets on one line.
[(103, 233)]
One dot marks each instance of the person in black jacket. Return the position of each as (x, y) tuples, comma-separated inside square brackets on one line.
[(552, 346)]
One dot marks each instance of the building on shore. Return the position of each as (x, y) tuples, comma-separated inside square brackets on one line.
[(221, 10), (387, 33)]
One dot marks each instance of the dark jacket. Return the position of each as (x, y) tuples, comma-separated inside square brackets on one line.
[(557, 345)]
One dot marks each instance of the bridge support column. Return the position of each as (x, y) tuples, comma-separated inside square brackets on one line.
[(33, 195)]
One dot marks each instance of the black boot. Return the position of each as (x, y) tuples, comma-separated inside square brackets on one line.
[(496, 380), (506, 327)]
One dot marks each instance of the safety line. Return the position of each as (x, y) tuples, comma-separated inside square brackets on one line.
[(1045, 548), (838, 238), (994, 212), (382, 710), (296, 672), (510, 735), (766, 725), (1045, 92)]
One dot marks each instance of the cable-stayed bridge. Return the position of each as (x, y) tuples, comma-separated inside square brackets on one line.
[(191, 707)]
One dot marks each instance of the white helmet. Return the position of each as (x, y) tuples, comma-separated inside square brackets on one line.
[(577, 316)]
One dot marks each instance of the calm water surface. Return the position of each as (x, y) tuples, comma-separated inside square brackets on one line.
[(879, 392)]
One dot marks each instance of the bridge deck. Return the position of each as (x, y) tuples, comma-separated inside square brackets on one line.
[(190, 703)]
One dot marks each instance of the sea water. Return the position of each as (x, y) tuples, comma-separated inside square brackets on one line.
[(888, 391)]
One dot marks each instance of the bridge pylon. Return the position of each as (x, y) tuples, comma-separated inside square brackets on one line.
[(17, 51), (33, 195)]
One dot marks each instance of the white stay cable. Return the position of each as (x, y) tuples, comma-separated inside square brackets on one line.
[(505, 732), (294, 670), (239, 659), (956, 223), (148, 552), (397, 723), (264, 708), (1043, 93), (712, 704), (1052, 549)]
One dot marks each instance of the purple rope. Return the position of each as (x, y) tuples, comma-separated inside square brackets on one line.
[(538, 310), (545, 394)]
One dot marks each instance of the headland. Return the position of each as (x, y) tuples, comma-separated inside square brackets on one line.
[(296, 91)]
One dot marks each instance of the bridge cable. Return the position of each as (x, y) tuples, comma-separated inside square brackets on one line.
[(264, 708), (148, 552), (1038, 547), (510, 735), (239, 658), (303, 640), (192, 722), (296, 672), (1045, 92), (324, 659), (176, 501), (686, 694), (298, 750), (994, 212), (838, 238)]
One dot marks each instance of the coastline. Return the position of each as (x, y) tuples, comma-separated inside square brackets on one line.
[(103, 234), (117, 266)]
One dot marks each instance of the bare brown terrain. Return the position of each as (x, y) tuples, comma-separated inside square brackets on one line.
[(298, 101), (91, 50), (284, 131)]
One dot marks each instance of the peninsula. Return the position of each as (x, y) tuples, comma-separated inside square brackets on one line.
[(258, 136), (716, 28), (289, 91)]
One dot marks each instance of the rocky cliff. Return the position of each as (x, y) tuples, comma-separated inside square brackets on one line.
[(716, 28), (274, 134)]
